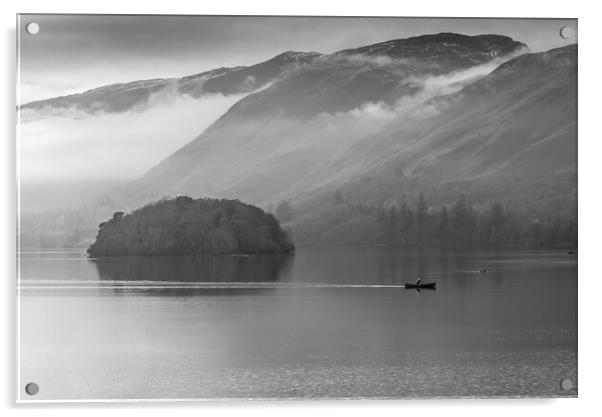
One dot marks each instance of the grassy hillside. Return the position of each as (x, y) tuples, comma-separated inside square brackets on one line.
[(282, 141), (509, 138)]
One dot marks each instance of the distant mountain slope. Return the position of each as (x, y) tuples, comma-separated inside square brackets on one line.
[(381, 72), (517, 120), (346, 136), (510, 136), (271, 144), (117, 98)]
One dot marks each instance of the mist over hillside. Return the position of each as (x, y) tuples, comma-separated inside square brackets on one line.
[(337, 140), (90, 138), (508, 140), (276, 143)]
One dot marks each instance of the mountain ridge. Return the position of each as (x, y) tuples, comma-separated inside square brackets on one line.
[(119, 97), (509, 137), (314, 95), (342, 137)]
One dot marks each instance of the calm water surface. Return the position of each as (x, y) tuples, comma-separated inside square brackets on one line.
[(322, 323)]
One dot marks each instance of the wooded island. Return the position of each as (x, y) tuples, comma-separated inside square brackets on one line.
[(185, 226)]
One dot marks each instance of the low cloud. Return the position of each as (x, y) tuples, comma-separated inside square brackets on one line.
[(124, 146), (377, 60), (420, 104), (362, 60), (70, 144)]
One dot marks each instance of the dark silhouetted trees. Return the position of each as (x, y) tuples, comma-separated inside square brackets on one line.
[(463, 226), (184, 226), (496, 221), (407, 216), (443, 232), (463, 222), (421, 211), (284, 211)]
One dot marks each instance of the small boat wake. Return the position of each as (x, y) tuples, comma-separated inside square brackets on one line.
[(158, 285)]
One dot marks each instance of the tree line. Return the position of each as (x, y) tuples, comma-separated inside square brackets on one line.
[(462, 225), (418, 223)]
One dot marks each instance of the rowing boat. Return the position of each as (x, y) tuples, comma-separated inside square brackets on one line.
[(429, 285)]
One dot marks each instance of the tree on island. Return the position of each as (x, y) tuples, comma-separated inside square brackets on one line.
[(184, 226), (443, 233), (284, 211)]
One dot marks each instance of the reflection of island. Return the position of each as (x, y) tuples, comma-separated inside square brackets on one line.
[(203, 268), (184, 226)]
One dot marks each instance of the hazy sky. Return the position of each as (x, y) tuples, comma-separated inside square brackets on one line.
[(77, 52)]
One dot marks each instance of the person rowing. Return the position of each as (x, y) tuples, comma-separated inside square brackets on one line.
[(419, 284)]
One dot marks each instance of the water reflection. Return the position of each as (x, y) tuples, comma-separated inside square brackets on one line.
[(319, 266), (265, 268), (324, 323)]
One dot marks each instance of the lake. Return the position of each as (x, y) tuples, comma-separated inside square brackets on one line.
[(325, 323)]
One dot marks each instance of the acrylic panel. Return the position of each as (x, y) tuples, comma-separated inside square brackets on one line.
[(273, 207)]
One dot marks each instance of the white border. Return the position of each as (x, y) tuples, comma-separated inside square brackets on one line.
[(18, 195), (590, 202)]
